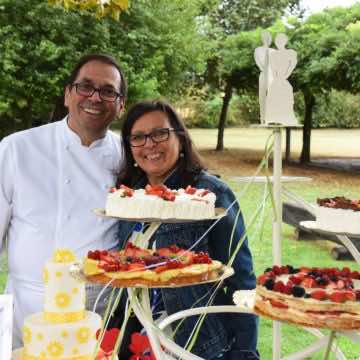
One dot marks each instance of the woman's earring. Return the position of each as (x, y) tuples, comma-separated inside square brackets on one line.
[(135, 164), (181, 154)]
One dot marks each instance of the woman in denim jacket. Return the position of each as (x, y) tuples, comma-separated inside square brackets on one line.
[(159, 150)]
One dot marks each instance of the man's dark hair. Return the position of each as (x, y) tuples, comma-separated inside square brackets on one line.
[(103, 58), (60, 111), (189, 165)]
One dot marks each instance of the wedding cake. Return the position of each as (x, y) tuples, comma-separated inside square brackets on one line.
[(64, 330)]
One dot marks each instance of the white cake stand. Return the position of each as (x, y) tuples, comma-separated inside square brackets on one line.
[(343, 237), (139, 295)]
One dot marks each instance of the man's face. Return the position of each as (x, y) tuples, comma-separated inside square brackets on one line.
[(90, 116)]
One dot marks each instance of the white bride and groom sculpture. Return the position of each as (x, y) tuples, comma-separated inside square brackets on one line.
[(276, 96)]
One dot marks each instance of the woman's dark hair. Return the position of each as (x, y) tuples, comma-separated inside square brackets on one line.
[(189, 166), (105, 59)]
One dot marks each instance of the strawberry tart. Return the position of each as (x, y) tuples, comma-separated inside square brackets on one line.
[(314, 297), (135, 266), (160, 202), (338, 214)]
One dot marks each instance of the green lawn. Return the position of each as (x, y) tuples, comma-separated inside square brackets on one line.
[(313, 253)]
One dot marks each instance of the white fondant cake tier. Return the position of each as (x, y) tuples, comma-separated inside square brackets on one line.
[(337, 220), (64, 295), (71, 340), (142, 205)]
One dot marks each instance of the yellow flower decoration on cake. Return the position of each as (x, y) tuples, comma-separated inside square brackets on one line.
[(83, 335), (45, 276), (27, 335), (62, 300), (64, 256), (40, 336), (55, 349)]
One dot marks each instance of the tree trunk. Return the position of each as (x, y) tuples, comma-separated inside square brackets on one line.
[(309, 99), (288, 145), (222, 120)]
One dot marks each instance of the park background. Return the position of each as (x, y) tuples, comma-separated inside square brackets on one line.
[(198, 54)]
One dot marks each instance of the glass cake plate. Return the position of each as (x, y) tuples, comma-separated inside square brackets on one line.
[(219, 213), (313, 225), (76, 271)]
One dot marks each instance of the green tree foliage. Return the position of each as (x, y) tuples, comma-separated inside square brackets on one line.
[(157, 44), (233, 30), (328, 58)]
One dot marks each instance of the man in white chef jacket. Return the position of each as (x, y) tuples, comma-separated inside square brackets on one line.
[(53, 176)]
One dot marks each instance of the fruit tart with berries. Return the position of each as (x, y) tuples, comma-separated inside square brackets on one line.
[(315, 297), (135, 266)]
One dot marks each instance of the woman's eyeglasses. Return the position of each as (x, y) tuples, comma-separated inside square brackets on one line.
[(157, 136), (105, 93)]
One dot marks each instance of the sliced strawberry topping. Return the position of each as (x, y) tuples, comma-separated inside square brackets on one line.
[(127, 191), (309, 283), (295, 279), (319, 295), (350, 295), (136, 267), (338, 297), (202, 258), (204, 193), (190, 190), (262, 279), (168, 196), (278, 304)]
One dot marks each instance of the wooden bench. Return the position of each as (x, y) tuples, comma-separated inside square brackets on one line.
[(294, 213)]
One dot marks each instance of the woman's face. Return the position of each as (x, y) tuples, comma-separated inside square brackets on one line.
[(156, 159)]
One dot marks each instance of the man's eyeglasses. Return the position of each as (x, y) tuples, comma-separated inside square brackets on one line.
[(105, 93), (157, 136)]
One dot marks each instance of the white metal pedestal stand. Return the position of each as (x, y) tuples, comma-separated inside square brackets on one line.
[(277, 171), (277, 236)]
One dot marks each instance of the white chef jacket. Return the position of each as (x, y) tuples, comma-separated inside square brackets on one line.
[(49, 185)]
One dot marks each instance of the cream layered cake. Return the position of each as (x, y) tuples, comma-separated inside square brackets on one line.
[(161, 267), (64, 331), (160, 202), (315, 297), (338, 214)]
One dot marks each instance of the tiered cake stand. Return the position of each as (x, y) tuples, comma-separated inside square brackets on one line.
[(277, 180), (140, 300)]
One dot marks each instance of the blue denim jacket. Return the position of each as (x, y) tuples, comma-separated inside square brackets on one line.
[(234, 332)]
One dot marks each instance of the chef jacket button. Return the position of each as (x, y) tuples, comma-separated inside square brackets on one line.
[(67, 181), (67, 147), (68, 217)]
